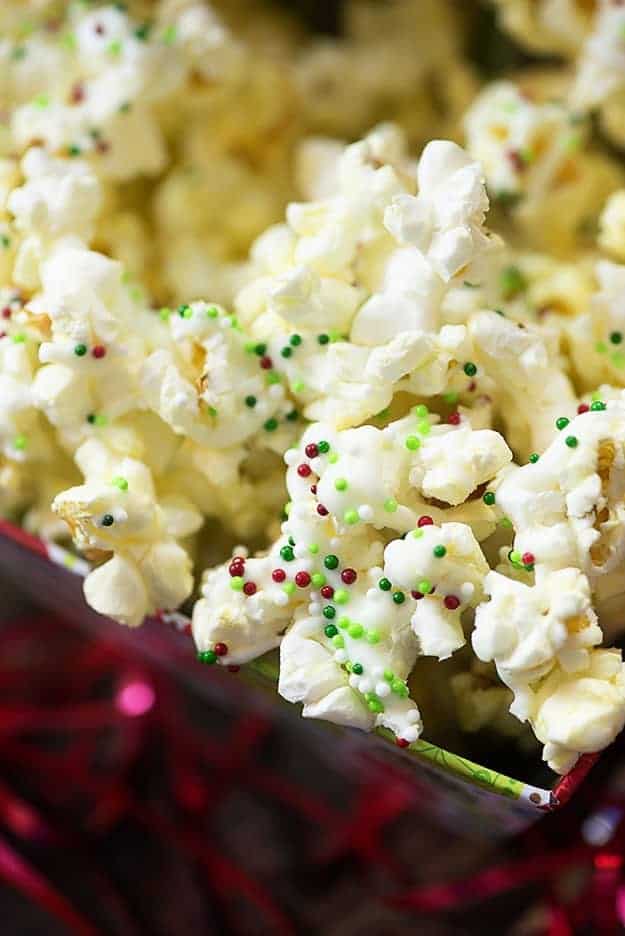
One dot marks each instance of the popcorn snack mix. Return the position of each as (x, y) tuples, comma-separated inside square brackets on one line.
[(385, 432)]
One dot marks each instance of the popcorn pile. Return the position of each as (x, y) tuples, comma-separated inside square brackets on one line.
[(449, 402)]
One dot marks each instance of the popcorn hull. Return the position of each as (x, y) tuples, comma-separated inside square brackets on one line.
[(466, 797)]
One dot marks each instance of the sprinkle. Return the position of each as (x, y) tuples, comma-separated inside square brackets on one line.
[(601, 347), (439, 551), (390, 505), (338, 642), (355, 630), (302, 579), (304, 470), (351, 517), (425, 587), (470, 369), (424, 427), (164, 313), (341, 596), (323, 446), (266, 363), (374, 704), (454, 418), (330, 630), (421, 410), (169, 35), (311, 450), (384, 584), (185, 311), (562, 422), (514, 556), (416, 595), (333, 457), (318, 579), (512, 282), (583, 408), (251, 401), (98, 351), (313, 549), (616, 337), (278, 575), (298, 386), (249, 589), (288, 588), (221, 649), (399, 597), (451, 397), (528, 558), (401, 742), (349, 576), (323, 339), (19, 338), (286, 352), (489, 498), (534, 457), (236, 583), (295, 340), (417, 534), (412, 443), (120, 483), (108, 520), (259, 349), (20, 442), (270, 425), (327, 592), (597, 406), (571, 441), (358, 669), (287, 553), (329, 611), (213, 312), (451, 602), (80, 350), (330, 561), (506, 522), (322, 511), (340, 484), (425, 520), (207, 656)]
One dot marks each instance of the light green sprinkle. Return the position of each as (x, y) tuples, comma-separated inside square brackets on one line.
[(288, 588), (372, 637), (318, 579), (19, 338), (68, 41), (20, 442), (390, 505), (355, 630), (506, 522), (412, 443), (236, 583), (425, 587), (618, 358), (341, 596), (418, 533), (343, 623), (451, 397), (298, 386), (351, 516), (164, 313), (212, 312), (341, 484), (601, 347), (313, 549), (338, 641), (273, 377), (424, 427), (287, 508), (41, 101), (420, 410), (515, 556), (169, 35), (120, 483), (333, 457), (114, 47)]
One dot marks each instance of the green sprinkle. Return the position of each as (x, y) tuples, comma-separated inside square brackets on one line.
[(534, 457), (270, 425), (330, 630), (412, 443), (562, 422), (571, 441), (20, 442), (185, 311), (259, 349), (512, 282), (399, 597), (439, 551), (470, 369), (597, 406), (372, 637), (251, 401), (335, 336), (329, 612), (318, 579), (425, 587), (331, 561), (323, 446), (80, 350), (68, 41), (341, 596), (142, 32), (358, 669), (120, 483), (19, 338), (295, 340), (618, 358), (390, 505), (351, 517), (292, 415), (340, 484), (207, 656), (355, 630), (288, 588), (384, 584), (287, 553), (286, 352), (323, 339), (5, 241), (616, 337), (399, 687), (236, 583), (287, 508), (73, 150), (100, 419), (489, 498)]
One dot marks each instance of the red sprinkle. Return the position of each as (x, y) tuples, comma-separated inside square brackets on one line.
[(583, 408), (77, 93), (349, 576), (6, 312), (249, 588), (313, 488), (425, 521), (528, 558), (454, 419), (401, 742), (327, 591), (311, 450), (304, 470), (221, 649), (472, 386), (417, 595), (266, 363), (302, 579), (233, 668), (236, 569), (278, 575), (322, 511), (98, 351), (451, 602)]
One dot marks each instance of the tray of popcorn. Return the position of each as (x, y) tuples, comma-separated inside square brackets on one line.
[(366, 447)]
